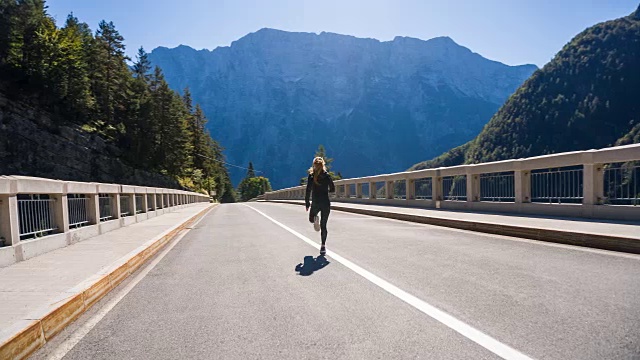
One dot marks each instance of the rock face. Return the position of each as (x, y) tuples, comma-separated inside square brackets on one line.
[(31, 145), (272, 97)]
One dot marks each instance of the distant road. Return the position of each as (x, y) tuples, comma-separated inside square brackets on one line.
[(242, 285)]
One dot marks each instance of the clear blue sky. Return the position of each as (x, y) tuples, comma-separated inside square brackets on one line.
[(510, 31)]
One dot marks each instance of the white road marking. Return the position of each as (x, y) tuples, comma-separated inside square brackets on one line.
[(471, 333), (494, 236), (62, 349)]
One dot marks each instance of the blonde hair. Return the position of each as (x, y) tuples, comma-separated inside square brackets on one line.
[(317, 166)]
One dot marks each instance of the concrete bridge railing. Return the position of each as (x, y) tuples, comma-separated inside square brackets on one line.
[(39, 215), (601, 183)]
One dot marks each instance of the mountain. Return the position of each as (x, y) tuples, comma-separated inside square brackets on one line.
[(586, 97), (273, 96)]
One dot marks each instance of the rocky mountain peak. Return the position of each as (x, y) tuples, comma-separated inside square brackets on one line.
[(378, 106)]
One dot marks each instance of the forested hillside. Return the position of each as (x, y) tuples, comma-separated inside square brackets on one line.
[(587, 97), (83, 80)]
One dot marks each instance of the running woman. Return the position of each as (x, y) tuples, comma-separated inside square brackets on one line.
[(320, 184)]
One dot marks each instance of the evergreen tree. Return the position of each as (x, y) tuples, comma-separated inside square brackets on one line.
[(85, 81), (252, 187), (27, 18), (142, 66), (250, 172), (8, 10), (322, 152), (199, 138), (110, 77), (228, 194), (71, 76)]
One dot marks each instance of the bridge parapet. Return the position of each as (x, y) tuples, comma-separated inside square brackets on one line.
[(39, 215), (602, 183)]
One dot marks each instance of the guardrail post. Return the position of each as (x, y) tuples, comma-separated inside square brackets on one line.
[(154, 201), (145, 203), (410, 188), (94, 208), (436, 187), (115, 206), (9, 227), (593, 183), (522, 182), (61, 212), (373, 189), (473, 186), (389, 191), (359, 190), (347, 191), (132, 204)]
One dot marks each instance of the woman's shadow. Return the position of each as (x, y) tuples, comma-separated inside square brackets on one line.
[(311, 265)]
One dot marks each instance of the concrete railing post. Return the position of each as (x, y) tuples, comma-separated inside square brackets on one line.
[(389, 191), (154, 201), (347, 191), (61, 212), (9, 227), (522, 182), (436, 187), (410, 188), (94, 208), (133, 209), (115, 206), (359, 190), (373, 190), (145, 203), (473, 186), (593, 183)]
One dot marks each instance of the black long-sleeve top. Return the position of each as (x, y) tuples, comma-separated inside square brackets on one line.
[(320, 190)]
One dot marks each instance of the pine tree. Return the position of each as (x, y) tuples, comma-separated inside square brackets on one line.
[(250, 172), (7, 29), (322, 152), (71, 76), (142, 66), (199, 138), (110, 78), (86, 80), (26, 19)]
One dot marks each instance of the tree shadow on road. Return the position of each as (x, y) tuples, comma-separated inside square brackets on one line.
[(311, 265)]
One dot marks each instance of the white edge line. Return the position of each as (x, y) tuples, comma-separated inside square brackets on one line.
[(62, 349), (471, 333)]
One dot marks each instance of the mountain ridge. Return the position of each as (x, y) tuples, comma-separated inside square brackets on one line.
[(375, 105)]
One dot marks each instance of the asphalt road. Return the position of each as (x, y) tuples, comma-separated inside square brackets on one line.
[(240, 286)]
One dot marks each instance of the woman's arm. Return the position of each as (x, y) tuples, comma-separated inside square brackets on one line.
[(332, 188), (308, 192)]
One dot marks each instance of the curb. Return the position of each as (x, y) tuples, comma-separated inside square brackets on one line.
[(47, 322), (605, 242)]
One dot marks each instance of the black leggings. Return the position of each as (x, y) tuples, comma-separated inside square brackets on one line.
[(324, 209)]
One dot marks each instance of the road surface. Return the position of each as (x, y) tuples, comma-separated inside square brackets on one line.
[(245, 283)]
